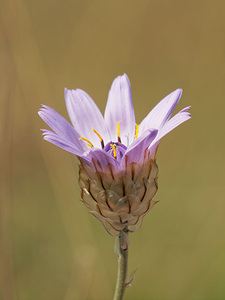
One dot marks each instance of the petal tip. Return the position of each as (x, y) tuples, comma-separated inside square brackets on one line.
[(121, 80), (125, 76), (178, 92), (125, 79)]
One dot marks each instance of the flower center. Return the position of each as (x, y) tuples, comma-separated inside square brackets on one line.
[(116, 149)]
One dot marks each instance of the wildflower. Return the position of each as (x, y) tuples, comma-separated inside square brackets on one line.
[(118, 171)]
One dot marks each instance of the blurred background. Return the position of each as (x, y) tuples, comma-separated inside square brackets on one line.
[(51, 248)]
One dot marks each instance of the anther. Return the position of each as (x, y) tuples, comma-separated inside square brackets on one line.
[(88, 142), (114, 149), (136, 130), (101, 139), (118, 132)]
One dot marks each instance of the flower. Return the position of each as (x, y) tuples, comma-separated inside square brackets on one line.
[(118, 172)]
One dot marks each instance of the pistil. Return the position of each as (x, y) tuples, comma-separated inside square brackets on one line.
[(136, 130), (118, 132), (88, 142), (101, 139), (114, 149)]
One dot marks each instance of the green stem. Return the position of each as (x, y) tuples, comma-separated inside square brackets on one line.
[(122, 271)]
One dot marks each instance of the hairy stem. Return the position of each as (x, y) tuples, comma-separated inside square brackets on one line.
[(122, 271)]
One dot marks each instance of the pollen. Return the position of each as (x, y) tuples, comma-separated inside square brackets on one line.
[(114, 149), (136, 130), (118, 131)]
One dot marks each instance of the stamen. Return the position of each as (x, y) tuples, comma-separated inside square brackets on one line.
[(88, 142), (136, 130), (101, 139), (118, 131), (114, 149)]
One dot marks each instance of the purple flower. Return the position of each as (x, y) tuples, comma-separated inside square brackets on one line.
[(117, 155), (115, 138)]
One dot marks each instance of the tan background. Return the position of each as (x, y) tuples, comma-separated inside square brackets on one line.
[(51, 248)]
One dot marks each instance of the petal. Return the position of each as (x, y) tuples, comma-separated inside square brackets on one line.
[(60, 126), (85, 115), (62, 143), (136, 151), (178, 119), (119, 108), (161, 112), (102, 160)]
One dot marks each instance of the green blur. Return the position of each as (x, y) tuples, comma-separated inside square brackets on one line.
[(51, 248)]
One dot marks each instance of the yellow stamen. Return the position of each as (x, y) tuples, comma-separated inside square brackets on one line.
[(118, 131), (88, 142), (101, 139), (136, 130), (114, 149)]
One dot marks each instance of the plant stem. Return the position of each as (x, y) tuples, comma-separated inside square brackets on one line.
[(122, 271)]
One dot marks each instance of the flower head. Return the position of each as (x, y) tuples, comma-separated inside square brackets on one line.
[(118, 172)]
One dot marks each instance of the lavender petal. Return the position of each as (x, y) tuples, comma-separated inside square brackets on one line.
[(119, 108), (175, 121), (60, 126), (60, 142), (161, 112), (85, 115), (136, 151), (102, 160)]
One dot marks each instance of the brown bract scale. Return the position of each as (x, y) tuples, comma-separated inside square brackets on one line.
[(119, 199)]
